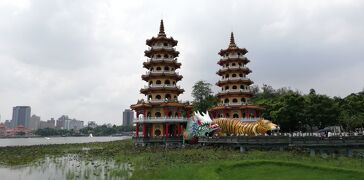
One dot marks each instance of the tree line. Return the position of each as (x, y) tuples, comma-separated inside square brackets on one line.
[(97, 131), (293, 110)]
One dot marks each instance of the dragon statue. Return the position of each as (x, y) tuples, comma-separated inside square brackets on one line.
[(203, 125)]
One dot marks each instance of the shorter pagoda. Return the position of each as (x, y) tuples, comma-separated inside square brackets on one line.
[(162, 116), (235, 94)]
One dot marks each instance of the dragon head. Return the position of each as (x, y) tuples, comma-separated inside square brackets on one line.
[(202, 125)]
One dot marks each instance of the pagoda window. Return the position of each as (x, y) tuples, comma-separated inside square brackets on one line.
[(226, 87), (236, 115), (151, 69), (227, 76), (175, 98), (159, 68), (234, 87), (226, 100), (158, 82), (149, 114), (235, 100), (172, 69), (165, 56), (159, 56), (240, 75), (241, 86), (227, 115), (168, 96), (158, 97), (149, 97), (167, 82), (239, 64), (165, 44), (166, 68), (174, 82), (243, 100), (169, 114), (233, 64), (150, 83), (234, 75), (176, 114), (157, 114)]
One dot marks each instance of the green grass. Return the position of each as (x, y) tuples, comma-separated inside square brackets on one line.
[(195, 162)]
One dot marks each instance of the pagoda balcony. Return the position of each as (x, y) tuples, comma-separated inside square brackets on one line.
[(233, 68), (162, 86), (226, 80), (162, 72), (162, 47), (234, 57), (165, 101), (235, 91), (160, 119), (161, 59)]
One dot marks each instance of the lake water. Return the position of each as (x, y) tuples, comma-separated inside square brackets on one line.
[(57, 140), (69, 166)]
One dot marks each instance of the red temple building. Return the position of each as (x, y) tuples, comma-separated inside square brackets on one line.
[(162, 117), (234, 96)]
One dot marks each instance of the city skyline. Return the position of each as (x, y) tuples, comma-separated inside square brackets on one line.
[(84, 58)]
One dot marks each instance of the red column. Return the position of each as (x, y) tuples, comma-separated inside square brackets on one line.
[(151, 130), (166, 129), (247, 113), (225, 113), (144, 129), (137, 130), (255, 113)]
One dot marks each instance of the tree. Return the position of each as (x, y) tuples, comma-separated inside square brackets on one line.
[(202, 96)]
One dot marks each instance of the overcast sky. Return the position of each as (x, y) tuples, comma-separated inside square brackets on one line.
[(84, 58)]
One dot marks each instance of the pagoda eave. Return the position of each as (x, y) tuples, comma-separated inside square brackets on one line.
[(244, 81), (173, 63), (173, 76), (235, 107), (222, 61), (151, 41), (232, 93), (153, 51), (243, 51), (145, 91), (241, 69)]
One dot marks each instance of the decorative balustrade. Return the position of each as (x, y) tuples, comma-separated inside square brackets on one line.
[(248, 90), (162, 47), (160, 119), (161, 59), (161, 86), (235, 78), (234, 67), (161, 72), (233, 56)]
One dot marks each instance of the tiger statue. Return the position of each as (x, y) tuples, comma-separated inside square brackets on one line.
[(205, 126)]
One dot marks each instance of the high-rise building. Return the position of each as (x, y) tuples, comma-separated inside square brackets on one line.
[(34, 122), (64, 122), (163, 114), (21, 116), (128, 116), (234, 96)]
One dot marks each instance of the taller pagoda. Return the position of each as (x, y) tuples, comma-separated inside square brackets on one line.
[(163, 115), (234, 96)]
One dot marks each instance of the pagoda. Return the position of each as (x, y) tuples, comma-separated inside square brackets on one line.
[(162, 115), (234, 96)]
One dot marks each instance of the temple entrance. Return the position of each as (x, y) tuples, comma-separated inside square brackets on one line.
[(236, 115)]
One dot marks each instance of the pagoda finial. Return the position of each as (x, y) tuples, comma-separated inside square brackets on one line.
[(232, 40), (161, 29)]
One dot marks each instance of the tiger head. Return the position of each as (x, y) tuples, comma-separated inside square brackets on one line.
[(267, 125)]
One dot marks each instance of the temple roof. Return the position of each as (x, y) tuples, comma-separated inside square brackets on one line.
[(233, 47)]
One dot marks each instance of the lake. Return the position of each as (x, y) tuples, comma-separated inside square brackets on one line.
[(57, 140)]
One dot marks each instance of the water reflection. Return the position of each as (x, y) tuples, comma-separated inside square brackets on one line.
[(68, 167)]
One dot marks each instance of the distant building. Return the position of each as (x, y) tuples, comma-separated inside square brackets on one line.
[(47, 124), (21, 116), (34, 122), (64, 122), (8, 124), (128, 116)]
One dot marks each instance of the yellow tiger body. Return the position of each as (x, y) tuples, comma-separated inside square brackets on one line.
[(237, 127)]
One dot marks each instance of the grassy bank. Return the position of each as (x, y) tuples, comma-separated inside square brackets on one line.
[(197, 162)]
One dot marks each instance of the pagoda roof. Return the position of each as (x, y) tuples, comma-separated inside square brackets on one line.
[(152, 51), (245, 70), (161, 37), (233, 47), (227, 107), (162, 61)]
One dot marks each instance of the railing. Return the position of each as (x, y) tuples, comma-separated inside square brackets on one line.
[(161, 72), (164, 100), (161, 86), (250, 119), (234, 67), (235, 78), (162, 59), (234, 56), (237, 90), (159, 119), (161, 47)]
